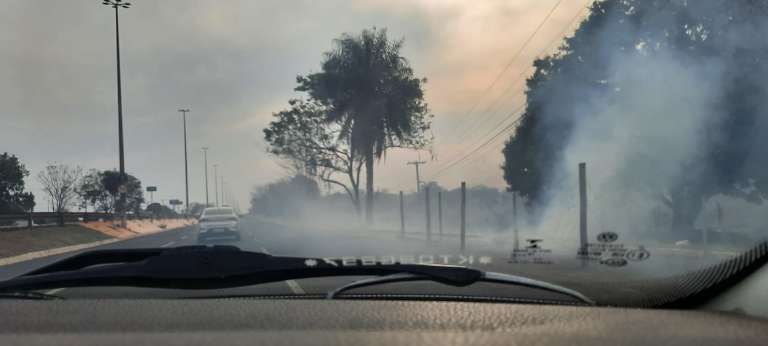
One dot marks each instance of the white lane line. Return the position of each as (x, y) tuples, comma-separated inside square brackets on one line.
[(168, 244), (295, 288), (54, 291), (293, 285)]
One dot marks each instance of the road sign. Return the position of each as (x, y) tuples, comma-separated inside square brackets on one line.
[(174, 202), (151, 188)]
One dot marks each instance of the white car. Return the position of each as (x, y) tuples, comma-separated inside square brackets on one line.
[(217, 223)]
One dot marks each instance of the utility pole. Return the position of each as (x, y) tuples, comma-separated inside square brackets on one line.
[(186, 168), (440, 212), (117, 4), (402, 216), (516, 244), (583, 209), (418, 178), (463, 229), (205, 163), (222, 190), (216, 183), (429, 213)]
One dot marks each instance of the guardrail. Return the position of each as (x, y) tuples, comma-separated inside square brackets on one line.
[(22, 220)]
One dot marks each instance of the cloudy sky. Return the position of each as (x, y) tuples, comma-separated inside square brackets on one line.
[(234, 63)]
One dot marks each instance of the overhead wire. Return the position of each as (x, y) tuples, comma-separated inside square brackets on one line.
[(556, 39), (509, 64)]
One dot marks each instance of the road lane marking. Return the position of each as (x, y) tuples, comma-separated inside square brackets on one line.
[(54, 291), (295, 288), (293, 285), (168, 244)]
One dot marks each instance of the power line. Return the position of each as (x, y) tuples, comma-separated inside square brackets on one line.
[(498, 125), (557, 38), (506, 128), (511, 61)]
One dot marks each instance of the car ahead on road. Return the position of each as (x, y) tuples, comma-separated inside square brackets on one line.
[(218, 223)]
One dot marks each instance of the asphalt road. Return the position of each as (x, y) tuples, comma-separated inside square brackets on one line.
[(278, 239)]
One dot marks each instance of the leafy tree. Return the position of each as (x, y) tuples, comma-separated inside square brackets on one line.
[(370, 91), (12, 195), (284, 198), (92, 192), (100, 189), (312, 145), (160, 211), (134, 195), (694, 31)]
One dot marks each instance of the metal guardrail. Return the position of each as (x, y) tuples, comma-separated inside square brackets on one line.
[(22, 220)]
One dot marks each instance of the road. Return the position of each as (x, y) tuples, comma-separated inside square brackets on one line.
[(279, 239)]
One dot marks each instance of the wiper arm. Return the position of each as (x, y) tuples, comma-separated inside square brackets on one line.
[(216, 267), (485, 277)]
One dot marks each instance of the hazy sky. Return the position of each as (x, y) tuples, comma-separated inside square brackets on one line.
[(234, 63)]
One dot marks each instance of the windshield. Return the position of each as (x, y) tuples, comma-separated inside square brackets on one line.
[(593, 144), (218, 212)]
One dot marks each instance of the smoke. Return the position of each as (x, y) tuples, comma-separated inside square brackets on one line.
[(653, 113)]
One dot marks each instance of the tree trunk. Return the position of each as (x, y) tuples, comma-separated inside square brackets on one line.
[(369, 186)]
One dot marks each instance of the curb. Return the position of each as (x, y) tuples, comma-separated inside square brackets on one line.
[(70, 248)]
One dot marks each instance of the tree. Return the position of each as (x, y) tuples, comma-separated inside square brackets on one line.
[(312, 145), (12, 195), (723, 34), (284, 198), (134, 195), (160, 211), (92, 192), (59, 182), (100, 189), (370, 91)]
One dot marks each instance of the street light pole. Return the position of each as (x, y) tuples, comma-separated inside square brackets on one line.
[(186, 169), (117, 4), (205, 160), (216, 183)]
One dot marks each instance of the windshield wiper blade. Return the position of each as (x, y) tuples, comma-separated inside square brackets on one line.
[(30, 295), (207, 267), (216, 267), (485, 277)]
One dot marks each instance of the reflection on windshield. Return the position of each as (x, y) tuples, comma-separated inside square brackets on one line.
[(588, 144)]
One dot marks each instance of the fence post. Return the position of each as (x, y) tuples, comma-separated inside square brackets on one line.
[(440, 212), (429, 213), (583, 209), (514, 221), (402, 217), (463, 229)]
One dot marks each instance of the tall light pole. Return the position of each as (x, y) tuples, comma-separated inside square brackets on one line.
[(222, 190), (216, 183), (117, 4), (186, 169), (205, 160)]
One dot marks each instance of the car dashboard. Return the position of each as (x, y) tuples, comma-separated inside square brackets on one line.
[(282, 321)]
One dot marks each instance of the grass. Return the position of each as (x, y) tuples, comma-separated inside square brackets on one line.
[(21, 241)]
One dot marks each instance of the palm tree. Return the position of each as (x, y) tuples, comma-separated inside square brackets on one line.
[(371, 92)]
